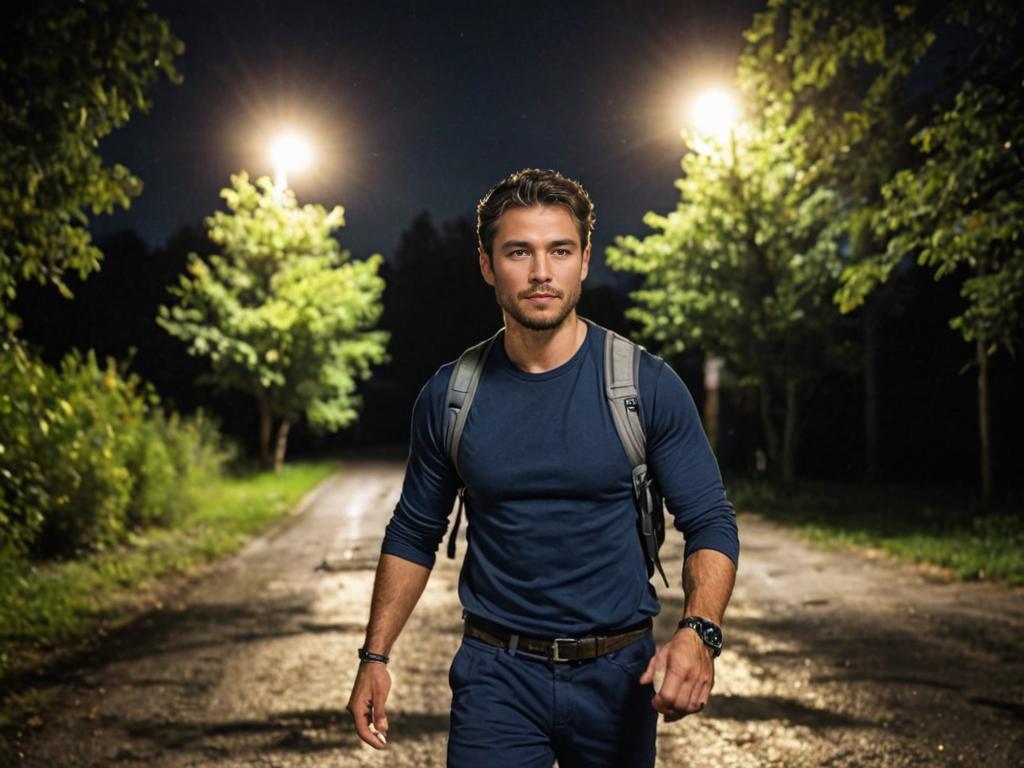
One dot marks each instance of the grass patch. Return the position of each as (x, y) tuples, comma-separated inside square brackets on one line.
[(934, 526), (44, 605)]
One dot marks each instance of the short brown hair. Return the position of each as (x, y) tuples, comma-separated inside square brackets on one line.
[(525, 189)]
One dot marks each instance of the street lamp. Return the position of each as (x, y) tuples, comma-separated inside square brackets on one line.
[(714, 115), (289, 152)]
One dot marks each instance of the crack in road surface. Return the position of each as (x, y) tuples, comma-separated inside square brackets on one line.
[(832, 659)]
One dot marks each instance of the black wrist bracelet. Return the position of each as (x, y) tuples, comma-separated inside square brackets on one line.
[(377, 658)]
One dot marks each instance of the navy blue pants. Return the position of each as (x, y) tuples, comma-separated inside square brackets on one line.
[(518, 710)]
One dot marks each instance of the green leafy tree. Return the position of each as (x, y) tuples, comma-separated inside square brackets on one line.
[(741, 268), (282, 312), (842, 69), (963, 209), (958, 205), (70, 73), (862, 78)]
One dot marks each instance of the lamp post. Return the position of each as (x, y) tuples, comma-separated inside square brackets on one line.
[(714, 115), (289, 152)]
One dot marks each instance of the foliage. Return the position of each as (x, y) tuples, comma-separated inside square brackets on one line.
[(86, 455), (70, 73), (841, 67), (745, 267), (861, 78), (43, 604), (282, 312), (938, 526), (739, 266), (172, 459), (963, 207)]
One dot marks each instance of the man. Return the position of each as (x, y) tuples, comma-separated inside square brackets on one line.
[(553, 547)]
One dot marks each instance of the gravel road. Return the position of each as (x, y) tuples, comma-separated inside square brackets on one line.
[(832, 659)]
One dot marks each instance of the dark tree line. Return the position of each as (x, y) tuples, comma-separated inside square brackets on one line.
[(436, 304)]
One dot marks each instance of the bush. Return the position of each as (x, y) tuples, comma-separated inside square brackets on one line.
[(87, 454), (154, 498), (174, 458), (63, 488)]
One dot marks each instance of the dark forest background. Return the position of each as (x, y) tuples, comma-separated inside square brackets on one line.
[(436, 305)]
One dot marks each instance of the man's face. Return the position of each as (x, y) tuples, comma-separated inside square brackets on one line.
[(539, 265)]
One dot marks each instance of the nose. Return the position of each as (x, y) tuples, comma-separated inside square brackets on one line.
[(541, 269)]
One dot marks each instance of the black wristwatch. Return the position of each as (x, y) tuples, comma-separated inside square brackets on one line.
[(707, 630)]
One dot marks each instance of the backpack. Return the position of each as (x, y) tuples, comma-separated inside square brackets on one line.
[(621, 371)]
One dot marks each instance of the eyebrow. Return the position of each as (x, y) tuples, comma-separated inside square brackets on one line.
[(525, 244)]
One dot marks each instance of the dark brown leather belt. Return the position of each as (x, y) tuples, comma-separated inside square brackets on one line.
[(556, 648)]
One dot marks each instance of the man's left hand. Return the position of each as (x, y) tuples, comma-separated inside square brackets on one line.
[(689, 670)]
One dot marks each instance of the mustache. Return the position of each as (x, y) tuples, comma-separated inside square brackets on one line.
[(541, 292)]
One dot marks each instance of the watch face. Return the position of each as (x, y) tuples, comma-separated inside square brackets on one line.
[(712, 635)]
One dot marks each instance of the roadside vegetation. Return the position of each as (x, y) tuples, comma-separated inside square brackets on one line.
[(49, 604), (932, 526)]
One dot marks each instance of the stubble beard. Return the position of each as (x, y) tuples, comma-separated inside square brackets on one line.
[(511, 304)]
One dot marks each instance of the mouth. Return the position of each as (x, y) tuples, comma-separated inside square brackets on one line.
[(541, 298)]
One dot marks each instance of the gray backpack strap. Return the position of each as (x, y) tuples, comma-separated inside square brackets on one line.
[(621, 371), (621, 374), (461, 391)]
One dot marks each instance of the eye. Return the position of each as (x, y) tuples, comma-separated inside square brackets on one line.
[(563, 252), (518, 253)]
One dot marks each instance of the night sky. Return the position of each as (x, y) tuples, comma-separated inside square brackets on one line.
[(423, 106)]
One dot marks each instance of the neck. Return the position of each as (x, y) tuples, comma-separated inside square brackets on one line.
[(541, 351)]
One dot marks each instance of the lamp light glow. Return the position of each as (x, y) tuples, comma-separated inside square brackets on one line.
[(714, 114), (289, 153)]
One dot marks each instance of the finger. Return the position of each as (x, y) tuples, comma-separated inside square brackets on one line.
[(705, 693), (668, 695), (699, 694), (380, 719), (362, 721), (652, 666), (701, 689)]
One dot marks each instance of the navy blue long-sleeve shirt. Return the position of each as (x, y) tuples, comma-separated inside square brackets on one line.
[(553, 547)]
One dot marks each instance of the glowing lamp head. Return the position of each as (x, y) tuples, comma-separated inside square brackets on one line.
[(290, 153), (714, 114)]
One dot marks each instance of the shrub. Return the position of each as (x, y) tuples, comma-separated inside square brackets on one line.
[(87, 453)]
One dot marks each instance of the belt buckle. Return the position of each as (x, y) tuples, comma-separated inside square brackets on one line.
[(554, 648)]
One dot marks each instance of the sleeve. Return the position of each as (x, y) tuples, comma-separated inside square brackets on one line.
[(684, 465), (420, 518)]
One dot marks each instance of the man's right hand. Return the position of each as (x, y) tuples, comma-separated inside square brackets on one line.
[(370, 691)]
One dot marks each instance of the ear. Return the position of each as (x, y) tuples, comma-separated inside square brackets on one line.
[(485, 268), (586, 264)]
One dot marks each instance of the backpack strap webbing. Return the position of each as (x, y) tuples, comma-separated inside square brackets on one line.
[(622, 370), (621, 373), (461, 391)]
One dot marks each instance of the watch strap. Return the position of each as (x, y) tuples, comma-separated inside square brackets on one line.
[(700, 625)]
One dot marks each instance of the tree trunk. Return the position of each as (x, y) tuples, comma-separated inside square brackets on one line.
[(282, 444), (712, 376), (871, 420), (771, 436), (984, 430), (789, 435), (266, 427)]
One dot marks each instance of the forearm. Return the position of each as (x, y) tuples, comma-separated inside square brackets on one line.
[(708, 579), (396, 590)]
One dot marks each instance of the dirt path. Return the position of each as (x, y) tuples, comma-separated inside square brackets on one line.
[(832, 659)]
